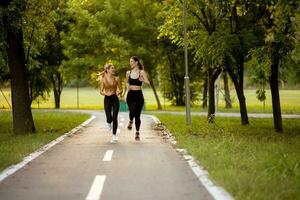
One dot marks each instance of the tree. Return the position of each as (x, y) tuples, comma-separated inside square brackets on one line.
[(172, 74), (52, 54), (280, 32), (119, 32), (234, 62), (207, 54), (11, 12), (36, 25)]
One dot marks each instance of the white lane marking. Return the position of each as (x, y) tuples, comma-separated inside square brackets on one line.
[(96, 188), (108, 155), (13, 168), (217, 192)]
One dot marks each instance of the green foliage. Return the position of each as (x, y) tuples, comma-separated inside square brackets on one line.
[(37, 24), (279, 24), (110, 31), (291, 63), (261, 94), (172, 75), (259, 66), (170, 35), (4, 70), (39, 82), (12, 13)]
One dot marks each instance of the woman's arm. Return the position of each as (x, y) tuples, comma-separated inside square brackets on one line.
[(119, 87), (144, 77), (127, 79), (101, 85)]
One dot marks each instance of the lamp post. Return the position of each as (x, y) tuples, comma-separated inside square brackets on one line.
[(218, 92), (186, 78)]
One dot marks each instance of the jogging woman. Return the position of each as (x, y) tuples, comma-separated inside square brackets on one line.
[(110, 87), (135, 99)]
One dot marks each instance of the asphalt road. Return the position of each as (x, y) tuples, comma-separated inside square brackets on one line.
[(87, 166)]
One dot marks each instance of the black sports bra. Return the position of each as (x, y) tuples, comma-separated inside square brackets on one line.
[(135, 81)]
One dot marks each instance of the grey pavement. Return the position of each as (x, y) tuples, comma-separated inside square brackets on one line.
[(149, 169)]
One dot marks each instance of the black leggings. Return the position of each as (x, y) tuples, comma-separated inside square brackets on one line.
[(135, 101), (111, 106)]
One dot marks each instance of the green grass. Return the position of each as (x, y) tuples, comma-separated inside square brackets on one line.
[(89, 98), (49, 125), (250, 162)]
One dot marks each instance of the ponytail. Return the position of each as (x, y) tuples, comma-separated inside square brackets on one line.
[(100, 75), (141, 67)]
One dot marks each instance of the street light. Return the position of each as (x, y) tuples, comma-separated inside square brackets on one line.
[(186, 78)]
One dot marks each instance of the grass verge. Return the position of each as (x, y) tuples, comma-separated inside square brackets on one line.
[(250, 162), (49, 125)]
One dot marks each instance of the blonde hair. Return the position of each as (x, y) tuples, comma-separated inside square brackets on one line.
[(100, 75)]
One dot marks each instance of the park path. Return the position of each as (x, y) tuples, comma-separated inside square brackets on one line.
[(87, 166)]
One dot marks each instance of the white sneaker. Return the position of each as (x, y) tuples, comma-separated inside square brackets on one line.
[(114, 139), (108, 125)]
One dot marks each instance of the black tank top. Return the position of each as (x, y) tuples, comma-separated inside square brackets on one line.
[(135, 81)]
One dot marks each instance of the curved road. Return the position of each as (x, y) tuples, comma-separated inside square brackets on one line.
[(87, 166)]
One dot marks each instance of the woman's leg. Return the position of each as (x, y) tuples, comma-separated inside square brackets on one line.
[(107, 108), (130, 102), (115, 105), (138, 110)]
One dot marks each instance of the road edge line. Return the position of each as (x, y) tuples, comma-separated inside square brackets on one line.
[(217, 192)]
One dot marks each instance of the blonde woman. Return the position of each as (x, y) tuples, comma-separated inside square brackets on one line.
[(135, 99), (111, 89)]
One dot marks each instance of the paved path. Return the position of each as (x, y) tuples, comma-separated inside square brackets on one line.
[(74, 169)]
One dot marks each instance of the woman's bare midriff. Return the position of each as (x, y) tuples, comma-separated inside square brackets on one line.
[(110, 93), (135, 87)]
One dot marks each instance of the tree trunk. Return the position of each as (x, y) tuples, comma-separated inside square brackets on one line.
[(227, 92), (22, 116), (155, 94), (57, 83), (273, 79), (205, 87), (212, 76), (240, 91), (242, 100), (238, 78), (57, 99), (243, 107)]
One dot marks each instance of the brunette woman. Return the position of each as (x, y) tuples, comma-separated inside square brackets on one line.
[(135, 99)]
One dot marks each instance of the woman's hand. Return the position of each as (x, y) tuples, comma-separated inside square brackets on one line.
[(119, 95), (141, 78)]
